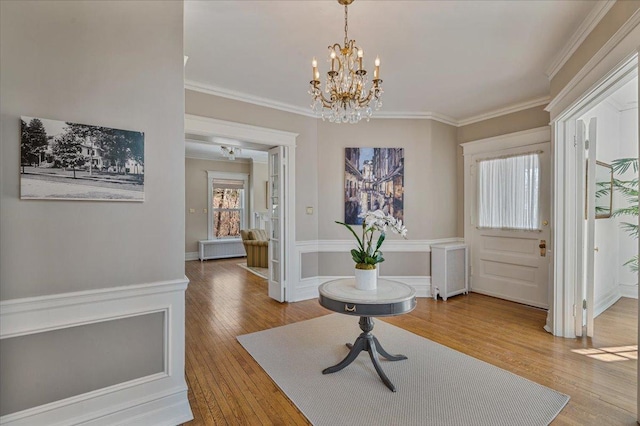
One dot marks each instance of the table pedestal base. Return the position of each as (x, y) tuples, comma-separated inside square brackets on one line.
[(367, 342)]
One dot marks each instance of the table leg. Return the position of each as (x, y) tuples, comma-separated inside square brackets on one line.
[(367, 342)]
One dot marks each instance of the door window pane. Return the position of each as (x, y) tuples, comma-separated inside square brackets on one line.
[(508, 192)]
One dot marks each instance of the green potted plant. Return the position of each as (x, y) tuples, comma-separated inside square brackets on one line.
[(367, 255), (629, 191)]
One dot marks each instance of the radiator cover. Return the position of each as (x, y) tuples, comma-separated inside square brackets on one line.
[(220, 249)]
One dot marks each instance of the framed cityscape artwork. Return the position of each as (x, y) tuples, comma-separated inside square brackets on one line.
[(60, 160), (374, 180)]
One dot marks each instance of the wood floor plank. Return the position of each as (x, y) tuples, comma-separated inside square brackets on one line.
[(227, 387)]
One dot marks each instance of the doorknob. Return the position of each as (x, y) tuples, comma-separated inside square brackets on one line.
[(543, 248), (596, 249)]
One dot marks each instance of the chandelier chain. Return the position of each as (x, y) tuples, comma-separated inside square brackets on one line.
[(346, 26)]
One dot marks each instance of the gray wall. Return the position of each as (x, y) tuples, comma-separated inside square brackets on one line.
[(307, 164), (430, 173), (197, 196), (116, 64), (78, 360)]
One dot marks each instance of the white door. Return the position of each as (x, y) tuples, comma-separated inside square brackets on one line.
[(510, 263), (277, 212), (586, 142)]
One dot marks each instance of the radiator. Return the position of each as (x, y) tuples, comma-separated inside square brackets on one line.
[(220, 249)]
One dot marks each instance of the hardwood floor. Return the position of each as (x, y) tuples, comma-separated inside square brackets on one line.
[(227, 387)]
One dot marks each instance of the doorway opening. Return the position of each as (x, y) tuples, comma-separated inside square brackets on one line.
[(276, 193), (571, 236)]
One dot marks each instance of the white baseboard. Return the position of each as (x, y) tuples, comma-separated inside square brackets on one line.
[(606, 301), (191, 255), (628, 290), (156, 399)]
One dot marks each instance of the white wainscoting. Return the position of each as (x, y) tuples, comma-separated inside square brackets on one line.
[(158, 399), (307, 288)]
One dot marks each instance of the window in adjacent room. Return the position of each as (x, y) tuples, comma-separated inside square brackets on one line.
[(227, 204), (509, 192)]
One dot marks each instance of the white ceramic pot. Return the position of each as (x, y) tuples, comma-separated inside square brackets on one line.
[(366, 279)]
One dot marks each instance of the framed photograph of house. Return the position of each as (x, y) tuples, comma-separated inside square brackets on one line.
[(373, 180), (60, 160)]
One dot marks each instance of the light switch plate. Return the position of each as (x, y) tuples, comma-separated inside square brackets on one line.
[(309, 210), (192, 210)]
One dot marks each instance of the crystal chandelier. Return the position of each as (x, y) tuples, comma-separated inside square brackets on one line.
[(345, 98)]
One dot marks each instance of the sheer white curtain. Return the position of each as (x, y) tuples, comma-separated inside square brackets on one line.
[(508, 192)]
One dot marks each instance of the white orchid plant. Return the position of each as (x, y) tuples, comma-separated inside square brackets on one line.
[(367, 255)]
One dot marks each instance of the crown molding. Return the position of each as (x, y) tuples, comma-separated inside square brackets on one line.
[(619, 35), (417, 116), (593, 18), (245, 97), (504, 111)]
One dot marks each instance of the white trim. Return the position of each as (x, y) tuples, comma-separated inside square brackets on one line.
[(31, 315), (255, 100), (191, 255), (596, 59), (417, 116), (247, 195), (245, 97), (567, 271), (628, 290), (588, 24), (156, 399), (323, 246), (205, 126), (618, 76), (209, 127), (606, 301), (510, 140), (307, 288), (504, 111)]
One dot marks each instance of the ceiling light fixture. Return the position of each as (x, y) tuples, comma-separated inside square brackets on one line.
[(230, 152), (346, 100)]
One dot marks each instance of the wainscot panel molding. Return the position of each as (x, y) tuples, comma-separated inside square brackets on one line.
[(158, 399), (307, 288)]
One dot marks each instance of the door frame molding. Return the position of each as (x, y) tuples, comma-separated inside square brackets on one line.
[(210, 127), (498, 143), (567, 205)]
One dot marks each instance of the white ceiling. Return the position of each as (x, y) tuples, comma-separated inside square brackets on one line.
[(457, 59), (626, 97), (211, 149)]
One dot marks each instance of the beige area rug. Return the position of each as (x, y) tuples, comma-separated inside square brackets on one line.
[(435, 386), (261, 272)]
